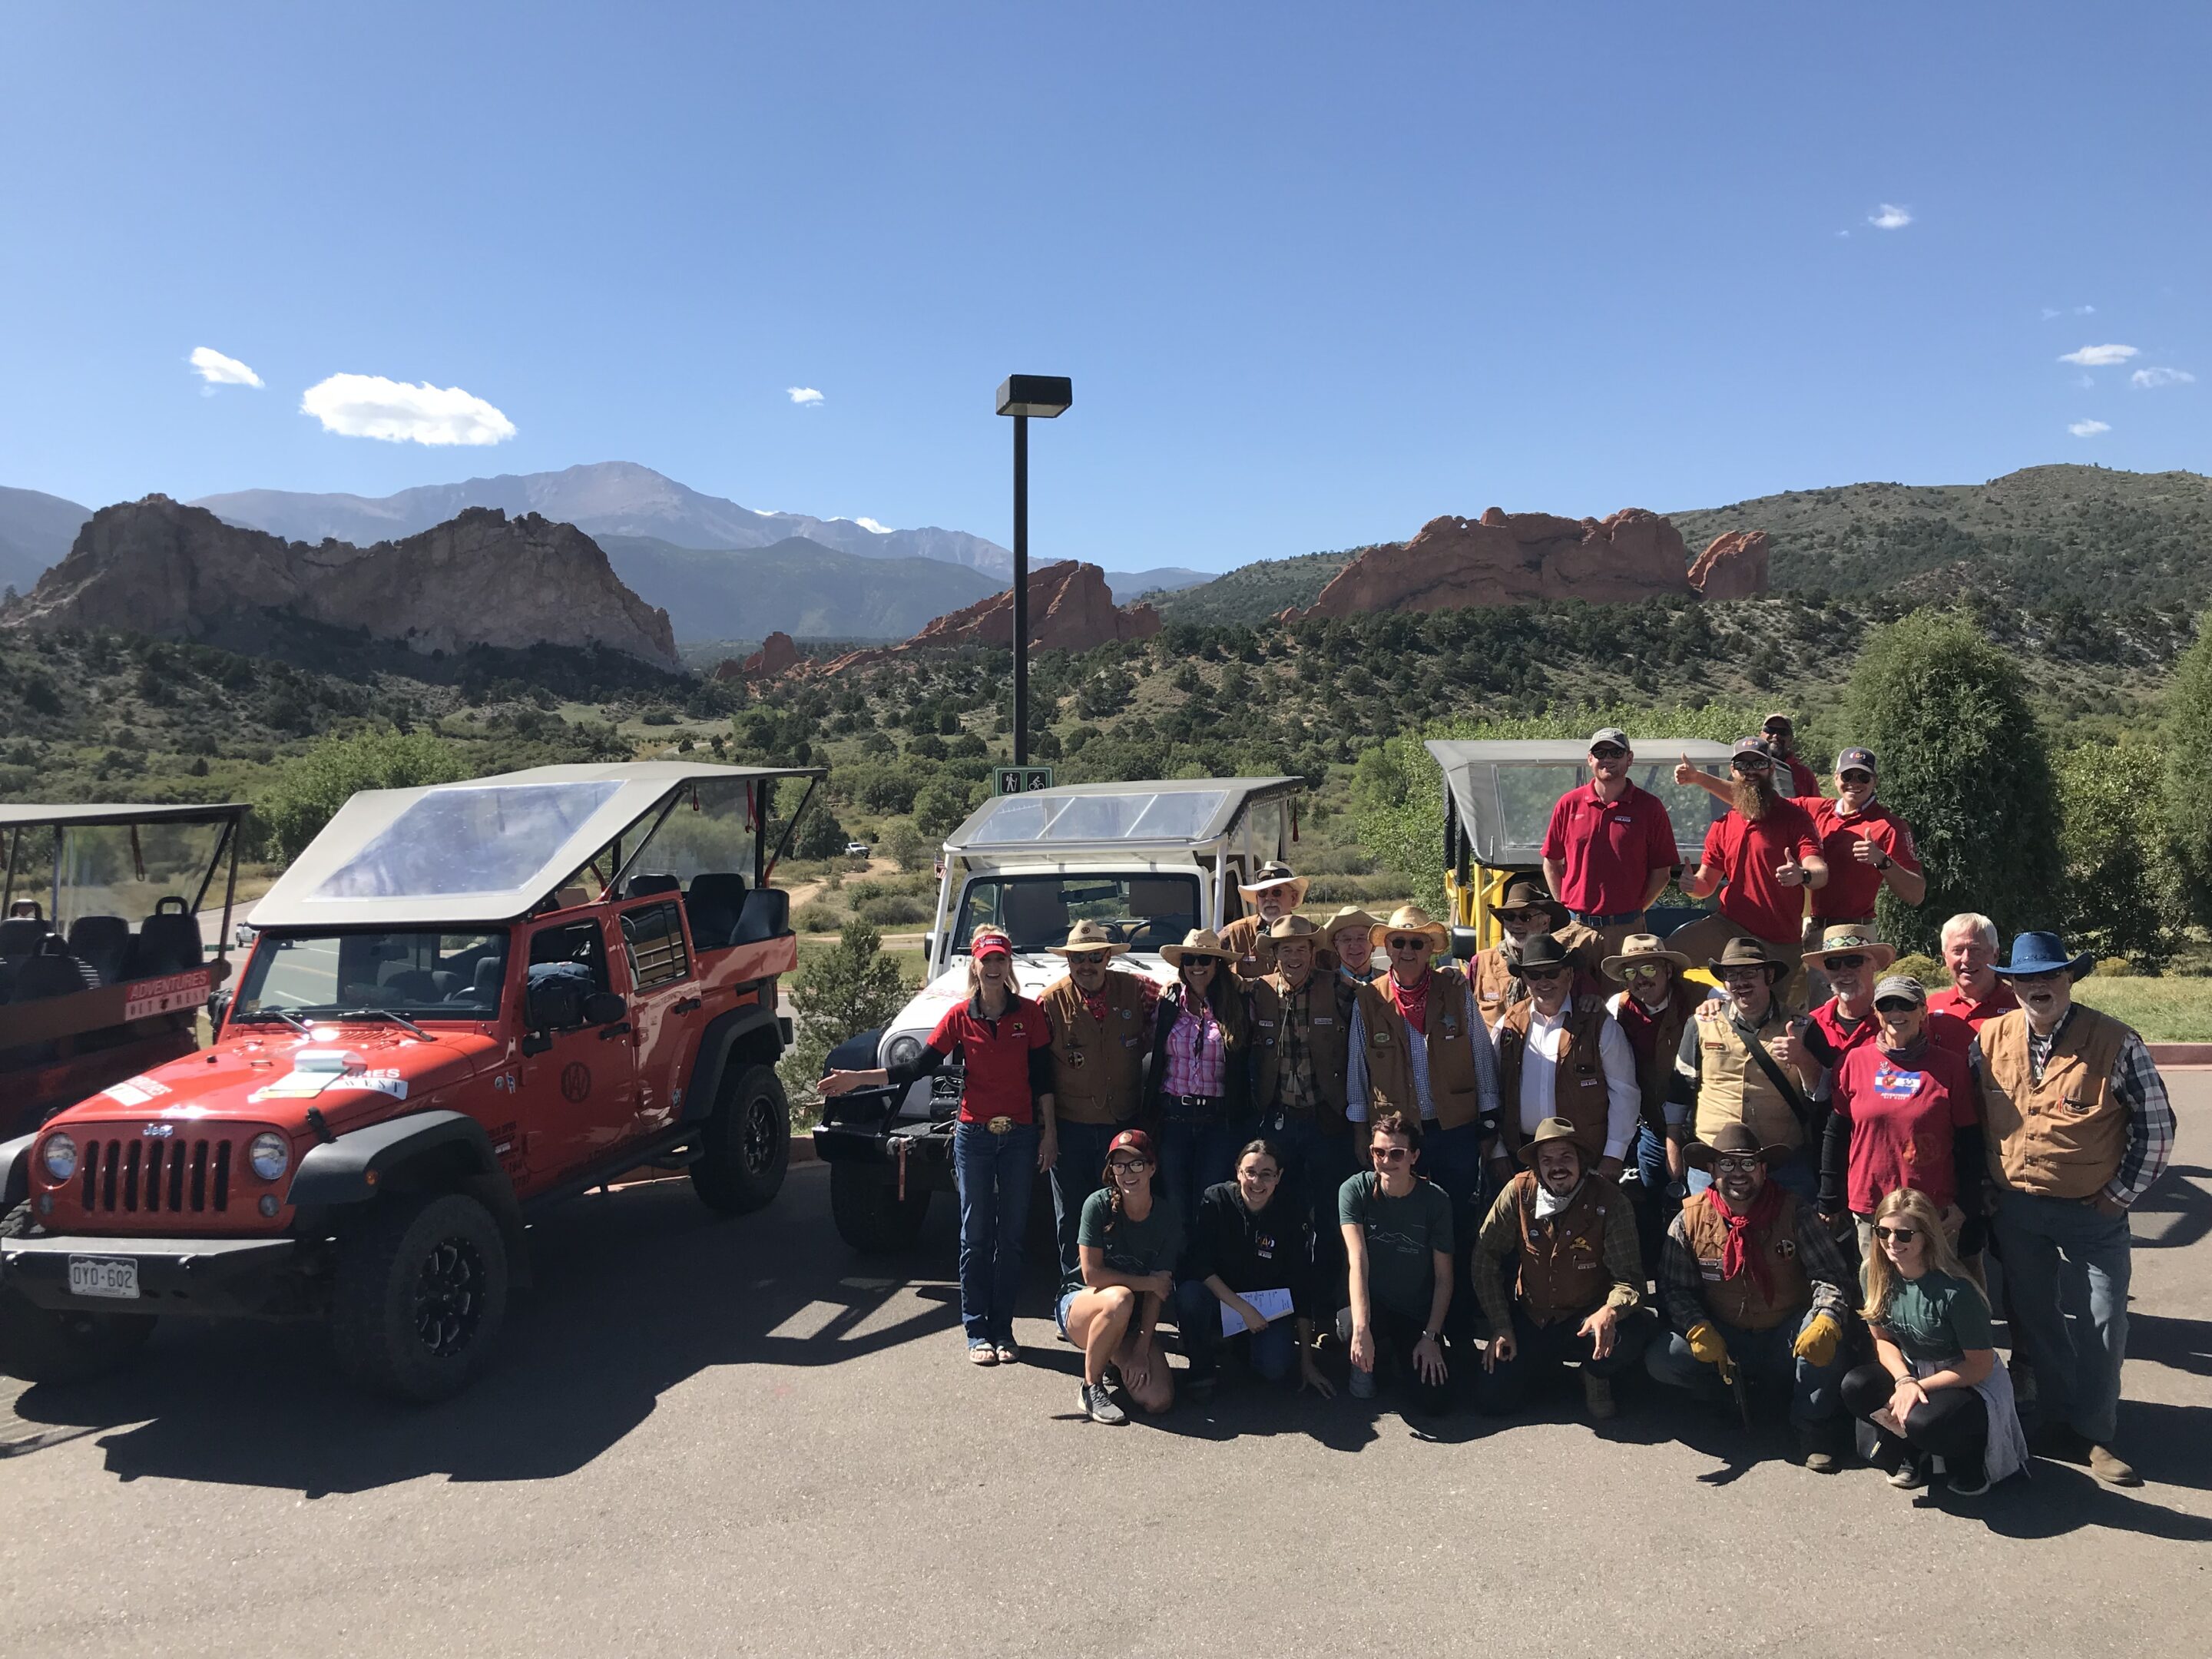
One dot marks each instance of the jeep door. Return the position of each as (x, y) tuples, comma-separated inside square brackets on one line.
[(578, 1095), (664, 995)]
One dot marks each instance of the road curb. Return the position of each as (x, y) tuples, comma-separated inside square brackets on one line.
[(2180, 1054)]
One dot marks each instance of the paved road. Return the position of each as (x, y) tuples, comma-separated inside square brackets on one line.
[(737, 1437)]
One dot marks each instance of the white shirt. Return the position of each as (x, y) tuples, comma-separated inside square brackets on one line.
[(1539, 1071)]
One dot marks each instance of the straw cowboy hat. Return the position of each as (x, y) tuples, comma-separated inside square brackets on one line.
[(1551, 1129), (1734, 1140), (1527, 893), (1748, 952), (1275, 875), (1089, 939), (1410, 918), (1641, 947), (1199, 942), (1846, 939), (1351, 916)]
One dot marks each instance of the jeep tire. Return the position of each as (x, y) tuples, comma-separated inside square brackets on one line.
[(745, 1147), (871, 1216), (419, 1296), (47, 1345)]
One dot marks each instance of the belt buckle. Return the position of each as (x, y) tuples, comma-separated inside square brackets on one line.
[(1000, 1126)]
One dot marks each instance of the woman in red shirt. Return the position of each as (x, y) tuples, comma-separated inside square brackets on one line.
[(1004, 1135)]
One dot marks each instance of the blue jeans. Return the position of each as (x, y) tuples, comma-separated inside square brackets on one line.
[(2066, 1273), (1272, 1353), (1799, 1175), (1655, 1208), (1815, 1391), (994, 1173), (1196, 1153), (1453, 1159), (1074, 1178)]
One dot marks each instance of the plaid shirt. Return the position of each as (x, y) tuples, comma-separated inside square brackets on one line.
[(1499, 1242), (1198, 1060), (2137, 1085), (1682, 1284)]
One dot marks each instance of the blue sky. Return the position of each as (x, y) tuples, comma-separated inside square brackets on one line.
[(1319, 273)]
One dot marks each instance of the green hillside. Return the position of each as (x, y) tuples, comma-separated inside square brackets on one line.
[(796, 585), (1253, 592)]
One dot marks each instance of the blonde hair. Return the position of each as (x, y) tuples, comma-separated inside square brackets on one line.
[(1881, 1278)]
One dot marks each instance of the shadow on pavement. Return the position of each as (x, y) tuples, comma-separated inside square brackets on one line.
[(2178, 1195)]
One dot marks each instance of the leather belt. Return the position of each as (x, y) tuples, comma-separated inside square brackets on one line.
[(1589, 920)]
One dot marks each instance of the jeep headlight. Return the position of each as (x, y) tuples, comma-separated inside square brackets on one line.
[(59, 1155), (903, 1049), (269, 1155)]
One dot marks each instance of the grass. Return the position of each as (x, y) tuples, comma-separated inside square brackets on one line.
[(2162, 1008)]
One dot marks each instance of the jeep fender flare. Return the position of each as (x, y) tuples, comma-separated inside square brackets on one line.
[(16, 1170), (363, 1163), (740, 1027)]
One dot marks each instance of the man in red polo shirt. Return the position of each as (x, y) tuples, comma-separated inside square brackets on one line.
[(1762, 857), (1977, 995), (1779, 732), (1610, 848)]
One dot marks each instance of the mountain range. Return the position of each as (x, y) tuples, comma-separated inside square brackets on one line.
[(796, 585)]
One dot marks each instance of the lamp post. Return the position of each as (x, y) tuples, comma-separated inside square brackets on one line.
[(1022, 396)]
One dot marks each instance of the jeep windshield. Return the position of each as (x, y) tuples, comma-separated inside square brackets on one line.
[(1143, 910), (417, 974)]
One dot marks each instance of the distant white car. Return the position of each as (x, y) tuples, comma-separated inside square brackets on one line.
[(856, 849)]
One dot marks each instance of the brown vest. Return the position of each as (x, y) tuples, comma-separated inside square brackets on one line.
[(1256, 951), (2063, 1137), (1452, 1086), (1327, 1012), (1655, 1072), (1496, 989), (1563, 1271), (1095, 1072), (1738, 1301), (1578, 1090), (1732, 1089)]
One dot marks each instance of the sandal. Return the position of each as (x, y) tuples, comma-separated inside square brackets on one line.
[(1009, 1351), (981, 1353)]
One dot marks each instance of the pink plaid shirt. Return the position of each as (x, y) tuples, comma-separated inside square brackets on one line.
[(1197, 1054)]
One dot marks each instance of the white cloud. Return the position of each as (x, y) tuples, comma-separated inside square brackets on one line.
[(2048, 312), (2148, 378), (2087, 382), (370, 406), (218, 370), (2085, 311), (803, 394), (1892, 217), (2088, 428), (2103, 357)]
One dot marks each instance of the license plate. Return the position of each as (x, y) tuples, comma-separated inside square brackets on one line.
[(103, 1275)]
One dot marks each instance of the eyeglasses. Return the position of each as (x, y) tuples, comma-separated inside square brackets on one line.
[(1896, 1235), (1118, 1164), (1408, 944), (1743, 975), (1515, 918), (1261, 1176), (1850, 964), (1725, 1165), (1390, 1154)]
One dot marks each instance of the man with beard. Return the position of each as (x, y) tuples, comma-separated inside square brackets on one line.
[(1272, 893), (1976, 995), (1524, 910), (1609, 849), (1741, 1062), (1581, 1281), (1779, 733), (1101, 1022), (1561, 1055), (1762, 857), (1750, 1281)]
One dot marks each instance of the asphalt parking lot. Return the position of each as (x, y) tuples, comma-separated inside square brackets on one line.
[(708, 1436)]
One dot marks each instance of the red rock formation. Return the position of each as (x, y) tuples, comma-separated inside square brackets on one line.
[(1071, 609), (778, 655), (1511, 558), (1733, 567)]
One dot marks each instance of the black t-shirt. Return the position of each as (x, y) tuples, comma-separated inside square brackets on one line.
[(1270, 1249)]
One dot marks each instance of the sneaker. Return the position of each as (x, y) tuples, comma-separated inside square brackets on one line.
[(1362, 1384), (1970, 1482), (1098, 1405), (1909, 1476), (1822, 1462), (1597, 1395), (981, 1353), (2112, 1468)]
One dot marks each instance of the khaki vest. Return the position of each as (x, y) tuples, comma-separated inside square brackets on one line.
[(1563, 1271), (2063, 1137), (1095, 1073), (1326, 1009), (1738, 1301), (1655, 1072), (1452, 1086), (1578, 1090), (1732, 1089), (1495, 988)]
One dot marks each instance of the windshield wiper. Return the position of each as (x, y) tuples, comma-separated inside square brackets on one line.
[(290, 1019), (411, 1028)]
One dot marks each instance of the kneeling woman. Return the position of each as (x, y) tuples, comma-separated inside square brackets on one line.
[(1938, 1388), (1127, 1243), (1248, 1277)]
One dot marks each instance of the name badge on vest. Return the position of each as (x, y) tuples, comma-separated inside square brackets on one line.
[(1324, 1019)]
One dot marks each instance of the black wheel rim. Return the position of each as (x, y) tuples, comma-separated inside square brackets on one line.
[(449, 1297), (756, 1138)]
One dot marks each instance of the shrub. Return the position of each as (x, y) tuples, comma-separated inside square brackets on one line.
[(850, 988), (904, 846), (2124, 891), (313, 787), (942, 805), (2186, 787), (892, 909)]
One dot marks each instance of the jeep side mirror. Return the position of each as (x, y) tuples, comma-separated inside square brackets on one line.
[(604, 1008), (1465, 944), (929, 948)]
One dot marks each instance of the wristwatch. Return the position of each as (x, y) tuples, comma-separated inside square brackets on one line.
[(1433, 1336)]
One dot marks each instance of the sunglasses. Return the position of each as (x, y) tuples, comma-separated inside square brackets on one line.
[(1648, 970), (1408, 944), (1736, 1165), (1608, 753), (1850, 964), (1896, 1235), (1120, 1164), (1546, 974), (1751, 766), (1390, 1154), (1855, 776), (1896, 1005)]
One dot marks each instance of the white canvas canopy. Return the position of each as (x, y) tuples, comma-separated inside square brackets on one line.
[(1178, 811), (1500, 793)]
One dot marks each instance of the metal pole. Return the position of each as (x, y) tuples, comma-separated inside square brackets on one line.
[(1021, 590)]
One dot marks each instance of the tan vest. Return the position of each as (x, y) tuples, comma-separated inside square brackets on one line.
[(1327, 1013), (1095, 1072), (1738, 1301), (1452, 1087), (2063, 1137), (1732, 1089), (1578, 1090), (1563, 1271), (1495, 988)]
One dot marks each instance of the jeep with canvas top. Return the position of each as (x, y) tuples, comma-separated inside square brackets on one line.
[(463, 1003)]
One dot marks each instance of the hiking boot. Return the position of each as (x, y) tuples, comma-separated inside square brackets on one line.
[(2109, 1466), (1597, 1395), (1362, 1384), (1822, 1462), (1909, 1476), (1098, 1405)]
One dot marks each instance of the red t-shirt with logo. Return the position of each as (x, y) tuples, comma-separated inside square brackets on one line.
[(996, 1054), (1902, 1118), (1609, 849), (1748, 854), (1976, 1014), (1848, 892)]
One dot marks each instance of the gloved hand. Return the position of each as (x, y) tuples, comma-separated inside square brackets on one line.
[(1706, 1346), (1816, 1343)]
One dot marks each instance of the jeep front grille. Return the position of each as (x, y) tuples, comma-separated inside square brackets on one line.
[(151, 1177)]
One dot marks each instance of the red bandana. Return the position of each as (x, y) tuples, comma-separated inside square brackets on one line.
[(1737, 1254), (1413, 1001)]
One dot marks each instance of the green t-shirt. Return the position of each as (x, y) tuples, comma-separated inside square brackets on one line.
[(1401, 1274), (1936, 1316), (1133, 1247)]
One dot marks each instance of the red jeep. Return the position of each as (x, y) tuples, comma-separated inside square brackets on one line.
[(464, 1003)]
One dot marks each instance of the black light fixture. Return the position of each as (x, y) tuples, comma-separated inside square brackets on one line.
[(1022, 396)]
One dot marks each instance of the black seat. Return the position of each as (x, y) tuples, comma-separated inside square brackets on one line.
[(20, 937), (651, 882), (767, 914), (483, 989), (169, 940), (714, 904), (103, 941), (55, 971)]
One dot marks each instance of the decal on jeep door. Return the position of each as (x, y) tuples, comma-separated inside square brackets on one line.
[(575, 1082)]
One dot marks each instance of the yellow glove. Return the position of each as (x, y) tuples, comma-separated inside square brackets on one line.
[(1706, 1346), (1816, 1343)]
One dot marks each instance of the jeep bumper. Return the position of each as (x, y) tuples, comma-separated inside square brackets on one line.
[(234, 1278)]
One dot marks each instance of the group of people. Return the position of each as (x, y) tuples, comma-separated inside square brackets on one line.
[(1574, 1156)]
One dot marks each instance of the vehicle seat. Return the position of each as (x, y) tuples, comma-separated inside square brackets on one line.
[(569, 898), (103, 941), (716, 901), (767, 914), (1036, 915), (411, 985), (483, 991), (169, 940), (53, 972), (652, 882), (20, 937)]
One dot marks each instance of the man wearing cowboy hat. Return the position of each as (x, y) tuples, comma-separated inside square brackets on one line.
[(1760, 856), (1580, 1284), (1273, 892), (1652, 1011), (2079, 1129), (1741, 1062), (1418, 1046), (1852, 959), (1302, 1016), (1560, 1055), (1347, 934), (1609, 849), (1524, 910), (1750, 1279), (1101, 1022)]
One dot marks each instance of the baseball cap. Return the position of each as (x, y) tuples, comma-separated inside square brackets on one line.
[(1134, 1140), (1755, 748), (1901, 985), (1855, 760), (1612, 735), (989, 943)]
